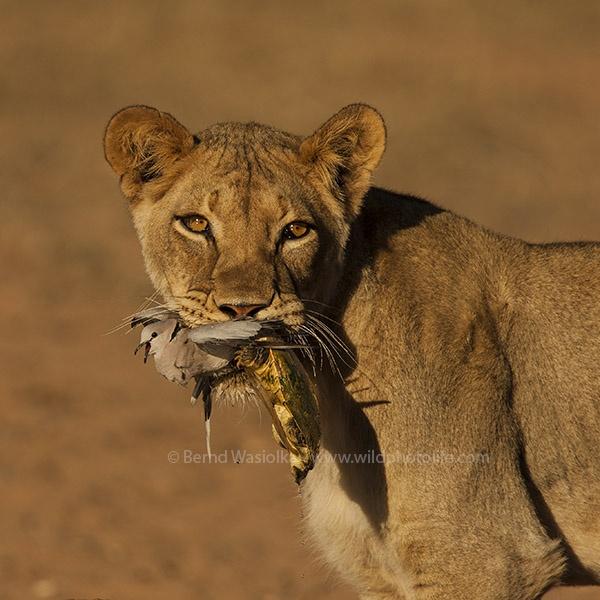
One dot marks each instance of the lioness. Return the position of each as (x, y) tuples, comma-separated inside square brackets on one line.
[(461, 413)]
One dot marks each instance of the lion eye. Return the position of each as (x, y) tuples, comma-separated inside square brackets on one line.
[(295, 230), (195, 223)]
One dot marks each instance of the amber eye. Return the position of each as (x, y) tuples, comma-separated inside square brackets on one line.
[(194, 223), (295, 230)]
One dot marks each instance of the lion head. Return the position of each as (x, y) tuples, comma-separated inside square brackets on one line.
[(243, 220)]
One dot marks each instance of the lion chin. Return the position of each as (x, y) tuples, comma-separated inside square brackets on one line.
[(235, 388)]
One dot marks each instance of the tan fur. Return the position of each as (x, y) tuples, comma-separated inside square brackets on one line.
[(477, 349)]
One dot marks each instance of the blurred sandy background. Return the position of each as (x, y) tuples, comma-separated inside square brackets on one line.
[(492, 110)]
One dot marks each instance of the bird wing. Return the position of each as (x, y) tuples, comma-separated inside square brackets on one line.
[(228, 332)]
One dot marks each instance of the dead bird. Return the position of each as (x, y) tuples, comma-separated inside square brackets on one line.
[(181, 353), (202, 353)]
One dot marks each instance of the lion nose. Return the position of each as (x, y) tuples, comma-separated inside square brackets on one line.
[(236, 311)]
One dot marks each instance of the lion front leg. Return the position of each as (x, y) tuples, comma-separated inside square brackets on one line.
[(345, 537), (468, 563)]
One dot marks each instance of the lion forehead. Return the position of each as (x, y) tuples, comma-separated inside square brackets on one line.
[(239, 179)]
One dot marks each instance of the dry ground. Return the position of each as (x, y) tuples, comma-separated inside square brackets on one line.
[(492, 111)]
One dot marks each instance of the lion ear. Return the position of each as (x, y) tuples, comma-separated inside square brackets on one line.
[(143, 146), (345, 151)]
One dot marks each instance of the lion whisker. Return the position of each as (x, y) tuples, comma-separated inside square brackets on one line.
[(337, 344)]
